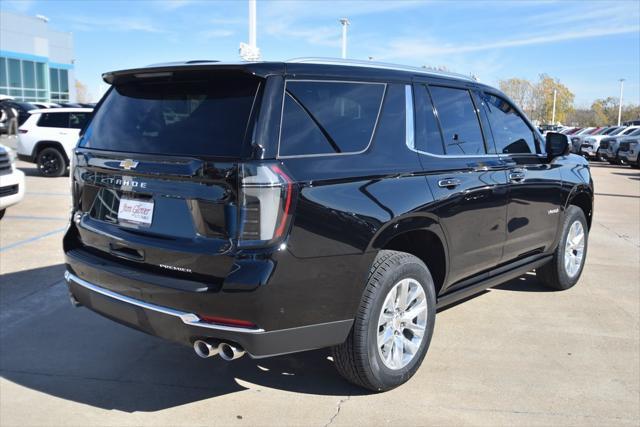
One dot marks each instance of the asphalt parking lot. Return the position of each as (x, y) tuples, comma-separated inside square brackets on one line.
[(517, 354)]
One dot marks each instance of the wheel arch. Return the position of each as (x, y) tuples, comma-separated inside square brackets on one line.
[(41, 145), (420, 236), (582, 197)]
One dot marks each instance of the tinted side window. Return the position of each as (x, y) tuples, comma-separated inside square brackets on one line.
[(428, 136), (510, 132), (329, 117), (54, 120), (459, 121), (78, 120)]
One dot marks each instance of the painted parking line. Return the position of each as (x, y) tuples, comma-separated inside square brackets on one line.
[(31, 239), (36, 218)]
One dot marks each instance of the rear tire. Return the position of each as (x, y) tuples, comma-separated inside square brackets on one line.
[(51, 162), (2, 212), (564, 270), (386, 315)]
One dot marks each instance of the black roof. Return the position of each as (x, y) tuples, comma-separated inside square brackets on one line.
[(308, 66)]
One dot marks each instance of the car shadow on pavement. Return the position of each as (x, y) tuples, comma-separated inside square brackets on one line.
[(30, 171), (632, 175), (71, 353), (526, 283), (74, 354)]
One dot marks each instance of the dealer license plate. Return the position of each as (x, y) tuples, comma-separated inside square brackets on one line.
[(135, 211)]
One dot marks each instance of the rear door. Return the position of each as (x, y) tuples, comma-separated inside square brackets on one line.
[(156, 182), (535, 184), (467, 179), (54, 126)]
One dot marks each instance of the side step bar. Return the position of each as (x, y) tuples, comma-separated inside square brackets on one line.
[(489, 282)]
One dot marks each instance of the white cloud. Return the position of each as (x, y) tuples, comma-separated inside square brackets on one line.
[(85, 23), (21, 6), (416, 48), (292, 19), (215, 33)]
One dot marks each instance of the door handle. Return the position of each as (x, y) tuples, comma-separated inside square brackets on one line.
[(449, 183), (517, 176)]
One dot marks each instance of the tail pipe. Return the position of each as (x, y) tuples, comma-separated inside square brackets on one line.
[(205, 349), (230, 351)]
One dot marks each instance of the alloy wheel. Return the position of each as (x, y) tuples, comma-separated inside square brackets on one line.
[(402, 323), (574, 249)]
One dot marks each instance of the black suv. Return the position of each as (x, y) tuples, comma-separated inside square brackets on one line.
[(278, 207)]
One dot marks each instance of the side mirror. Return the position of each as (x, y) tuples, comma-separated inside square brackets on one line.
[(556, 144)]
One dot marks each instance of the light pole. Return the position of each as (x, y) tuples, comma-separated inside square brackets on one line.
[(553, 114), (249, 51), (345, 23), (620, 104)]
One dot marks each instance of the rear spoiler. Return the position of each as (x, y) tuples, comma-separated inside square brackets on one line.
[(259, 69)]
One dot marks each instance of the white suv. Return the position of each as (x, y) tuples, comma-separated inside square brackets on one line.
[(11, 180), (48, 137)]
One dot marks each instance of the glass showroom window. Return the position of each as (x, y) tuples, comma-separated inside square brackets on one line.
[(23, 80), (59, 80)]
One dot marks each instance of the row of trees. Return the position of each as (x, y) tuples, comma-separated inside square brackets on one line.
[(536, 99)]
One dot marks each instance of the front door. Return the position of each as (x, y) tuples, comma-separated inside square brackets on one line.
[(533, 211), (467, 179)]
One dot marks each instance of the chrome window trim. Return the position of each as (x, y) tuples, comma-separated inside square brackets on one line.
[(189, 319), (453, 156), (409, 117), (373, 132)]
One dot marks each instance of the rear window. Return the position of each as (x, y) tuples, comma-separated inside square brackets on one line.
[(54, 120), (328, 117), (189, 114)]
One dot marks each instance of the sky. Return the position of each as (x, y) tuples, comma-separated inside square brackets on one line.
[(587, 45)]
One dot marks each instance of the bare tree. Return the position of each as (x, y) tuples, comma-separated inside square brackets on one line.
[(82, 94), (521, 91)]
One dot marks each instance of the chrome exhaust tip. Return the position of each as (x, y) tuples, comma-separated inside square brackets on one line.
[(230, 352), (205, 349)]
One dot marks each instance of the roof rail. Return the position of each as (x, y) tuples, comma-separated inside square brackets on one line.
[(374, 64)]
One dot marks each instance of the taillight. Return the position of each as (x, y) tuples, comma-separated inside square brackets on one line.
[(265, 204)]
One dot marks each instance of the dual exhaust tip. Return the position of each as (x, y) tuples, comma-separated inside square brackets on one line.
[(226, 351)]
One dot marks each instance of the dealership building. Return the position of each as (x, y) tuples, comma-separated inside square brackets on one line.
[(36, 62)]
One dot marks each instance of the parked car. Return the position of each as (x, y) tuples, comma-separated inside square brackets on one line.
[(628, 151), (22, 108), (609, 147), (591, 144), (48, 137), (270, 208), (11, 180), (576, 140)]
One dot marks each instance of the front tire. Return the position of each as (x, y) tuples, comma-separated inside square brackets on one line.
[(51, 162), (393, 326), (566, 266)]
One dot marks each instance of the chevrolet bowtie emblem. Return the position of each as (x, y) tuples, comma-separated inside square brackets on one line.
[(128, 164)]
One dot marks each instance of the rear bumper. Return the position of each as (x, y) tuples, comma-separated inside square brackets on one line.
[(184, 327)]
